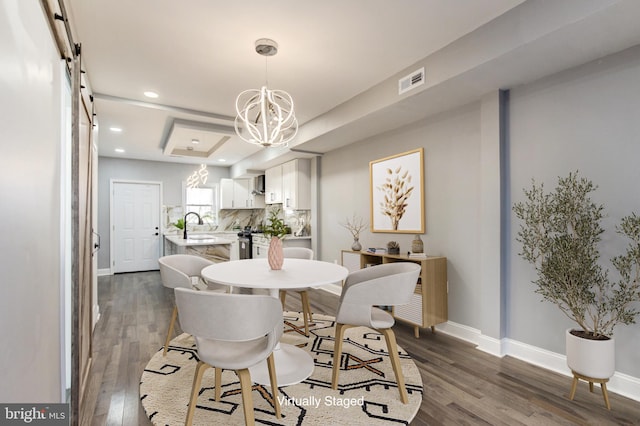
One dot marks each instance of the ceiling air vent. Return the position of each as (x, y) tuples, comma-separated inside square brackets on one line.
[(411, 81)]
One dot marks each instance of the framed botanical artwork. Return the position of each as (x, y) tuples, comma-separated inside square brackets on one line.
[(397, 194)]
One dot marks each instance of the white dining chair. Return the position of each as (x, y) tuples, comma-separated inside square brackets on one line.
[(388, 284), (183, 270), (299, 253), (232, 332)]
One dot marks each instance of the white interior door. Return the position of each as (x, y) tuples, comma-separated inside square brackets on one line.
[(136, 226)]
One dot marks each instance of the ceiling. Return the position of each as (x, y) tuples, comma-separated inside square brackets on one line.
[(339, 60), (199, 54)]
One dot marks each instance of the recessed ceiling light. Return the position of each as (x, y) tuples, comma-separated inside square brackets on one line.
[(119, 150), (195, 141), (150, 94), (222, 160), (115, 129)]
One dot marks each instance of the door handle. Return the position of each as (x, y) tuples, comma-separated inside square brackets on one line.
[(96, 245)]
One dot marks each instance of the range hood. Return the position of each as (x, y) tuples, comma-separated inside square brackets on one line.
[(258, 185)]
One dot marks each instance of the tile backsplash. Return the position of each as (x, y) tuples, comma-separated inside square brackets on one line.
[(230, 220)]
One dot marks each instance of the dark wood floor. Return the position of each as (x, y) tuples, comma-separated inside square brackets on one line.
[(462, 385)]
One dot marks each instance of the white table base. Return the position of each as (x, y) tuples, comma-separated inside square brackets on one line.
[(293, 365)]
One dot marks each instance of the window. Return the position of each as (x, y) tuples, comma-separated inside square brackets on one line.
[(204, 202)]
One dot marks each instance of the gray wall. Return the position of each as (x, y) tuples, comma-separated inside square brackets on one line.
[(585, 119), (30, 183), (451, 144), (170, 174)]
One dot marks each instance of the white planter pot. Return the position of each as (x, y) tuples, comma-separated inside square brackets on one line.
[(591, 358)]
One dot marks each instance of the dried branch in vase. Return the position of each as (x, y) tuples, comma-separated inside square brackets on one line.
[(355, 225)]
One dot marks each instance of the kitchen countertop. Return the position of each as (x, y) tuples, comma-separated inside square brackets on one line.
[(286, 237), (197, 240)]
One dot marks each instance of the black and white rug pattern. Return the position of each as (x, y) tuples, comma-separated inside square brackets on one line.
[(367, 393)]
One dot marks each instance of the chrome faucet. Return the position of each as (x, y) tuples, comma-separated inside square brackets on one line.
[(185, 223)]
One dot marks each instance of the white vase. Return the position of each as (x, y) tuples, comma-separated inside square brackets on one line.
[(591, 358)]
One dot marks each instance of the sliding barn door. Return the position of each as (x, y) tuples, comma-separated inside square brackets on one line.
[(84, 291)]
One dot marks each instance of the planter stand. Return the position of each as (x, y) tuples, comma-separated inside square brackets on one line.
[(591, 380)]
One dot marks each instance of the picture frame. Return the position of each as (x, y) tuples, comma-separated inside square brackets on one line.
[(397, 193)]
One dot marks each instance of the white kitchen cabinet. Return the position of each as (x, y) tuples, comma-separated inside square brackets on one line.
[(296, 184), (259, 251), (238, 194), (226, 193), (273, 185)]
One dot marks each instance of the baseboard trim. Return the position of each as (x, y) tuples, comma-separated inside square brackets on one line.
[(491, 345), (621, 384), (459, 331), (103, 272)]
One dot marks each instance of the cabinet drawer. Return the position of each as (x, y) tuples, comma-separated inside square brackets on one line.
[(411, 312)]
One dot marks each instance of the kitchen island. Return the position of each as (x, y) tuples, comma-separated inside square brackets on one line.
[(214, 248)]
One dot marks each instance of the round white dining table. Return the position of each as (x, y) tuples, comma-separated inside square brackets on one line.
[(293, 364)]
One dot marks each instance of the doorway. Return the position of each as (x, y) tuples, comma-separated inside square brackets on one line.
[(135, 226)]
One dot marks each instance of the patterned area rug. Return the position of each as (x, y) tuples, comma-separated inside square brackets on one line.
[(367, 393)]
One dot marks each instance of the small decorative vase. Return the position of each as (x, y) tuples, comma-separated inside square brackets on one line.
[(417, 246), (356, 246), (275, 255)]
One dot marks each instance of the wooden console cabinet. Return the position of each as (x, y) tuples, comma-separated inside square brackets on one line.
[(429, 304)]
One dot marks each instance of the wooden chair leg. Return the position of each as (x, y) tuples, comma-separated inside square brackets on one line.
[(218, 389), (283, 296), (305, 312), (392, 346), (174, 315), (304, 295), (337, 352), (247, 400), (195, 390), (271, 365)]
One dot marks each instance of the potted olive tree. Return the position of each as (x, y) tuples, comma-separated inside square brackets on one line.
[(560, 232), (276, 229)]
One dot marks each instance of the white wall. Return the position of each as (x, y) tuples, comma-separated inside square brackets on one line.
[(170, 174), (30, 207), (451, 144), (587, 119)]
